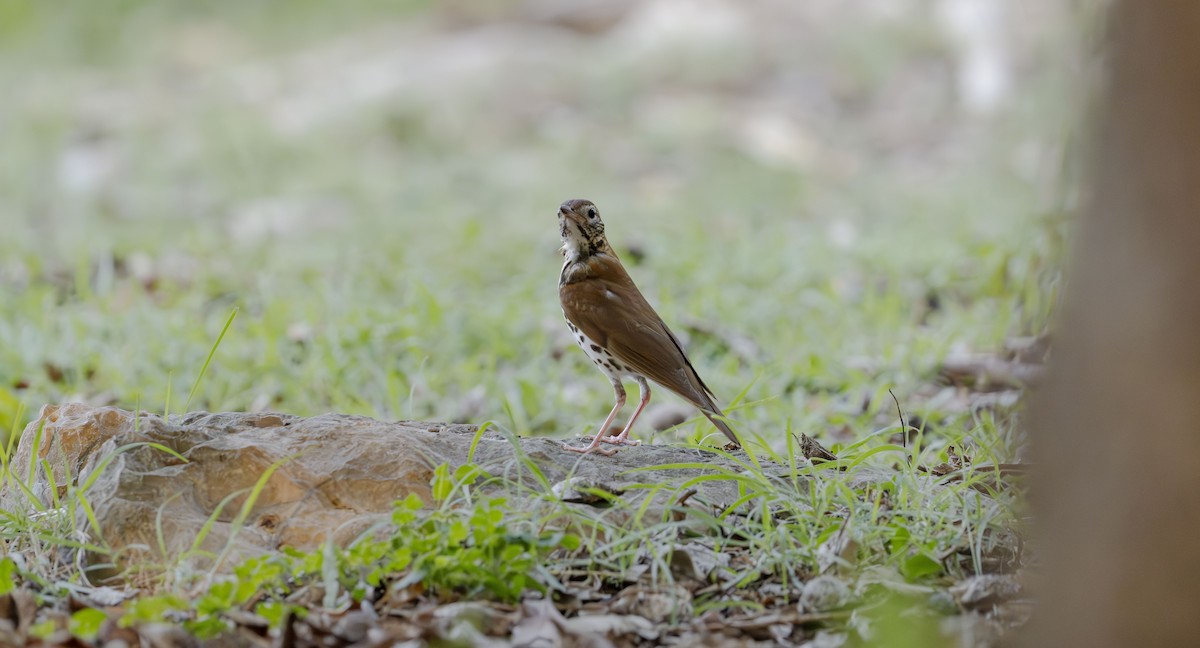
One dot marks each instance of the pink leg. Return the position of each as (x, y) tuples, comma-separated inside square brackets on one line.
[(623, 437), (604, 426)]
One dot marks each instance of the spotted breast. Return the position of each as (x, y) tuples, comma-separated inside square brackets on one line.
[(601, 357)]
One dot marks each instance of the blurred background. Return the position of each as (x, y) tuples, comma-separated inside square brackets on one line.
[(825, 199)]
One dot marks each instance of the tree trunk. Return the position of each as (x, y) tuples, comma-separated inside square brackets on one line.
[(1117, 429)]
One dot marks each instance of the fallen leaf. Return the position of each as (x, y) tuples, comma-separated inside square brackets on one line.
[(540, 626), (658, 604), (611, 625), (984, 591), (813, 450)]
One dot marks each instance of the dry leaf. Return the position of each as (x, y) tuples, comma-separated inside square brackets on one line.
[(540, 627), (813, 450), (657, 604)]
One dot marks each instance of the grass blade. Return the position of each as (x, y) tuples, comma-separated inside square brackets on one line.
[(208, 360)]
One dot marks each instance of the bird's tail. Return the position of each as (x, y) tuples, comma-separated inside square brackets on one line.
[(722, 426)]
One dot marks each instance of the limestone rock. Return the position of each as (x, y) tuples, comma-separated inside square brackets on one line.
[(328, 477), (334, 475)]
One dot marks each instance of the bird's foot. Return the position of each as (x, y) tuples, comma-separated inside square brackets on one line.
[(621, 440), (591, 448)]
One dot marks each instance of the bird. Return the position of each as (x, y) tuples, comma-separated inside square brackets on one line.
[(618, 329)]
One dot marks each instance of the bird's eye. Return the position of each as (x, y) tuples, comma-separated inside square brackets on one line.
[(592, 213)]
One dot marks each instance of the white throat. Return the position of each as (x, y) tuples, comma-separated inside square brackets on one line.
[(571, 244)]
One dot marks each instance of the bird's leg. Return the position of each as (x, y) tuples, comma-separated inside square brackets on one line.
[(623, 437), (620, 391)]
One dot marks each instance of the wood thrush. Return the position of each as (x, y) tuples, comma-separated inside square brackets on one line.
[(618, 329)]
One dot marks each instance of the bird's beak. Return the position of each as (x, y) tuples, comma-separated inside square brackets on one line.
[(563, 212)]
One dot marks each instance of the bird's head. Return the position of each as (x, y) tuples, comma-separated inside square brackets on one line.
[(581, 229)]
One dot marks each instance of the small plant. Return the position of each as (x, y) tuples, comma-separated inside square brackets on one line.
[(484, 549), (8, 572), (473, 548)]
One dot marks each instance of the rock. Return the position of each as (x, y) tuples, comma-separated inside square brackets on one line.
[(334, 475), (327, 477)]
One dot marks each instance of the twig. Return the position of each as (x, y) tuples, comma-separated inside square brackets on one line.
[(903, 425)]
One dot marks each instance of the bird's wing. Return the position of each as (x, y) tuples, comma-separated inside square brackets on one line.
[(610, 310)]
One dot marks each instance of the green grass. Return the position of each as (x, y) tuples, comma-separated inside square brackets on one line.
[(837, 518), (397, 258)]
